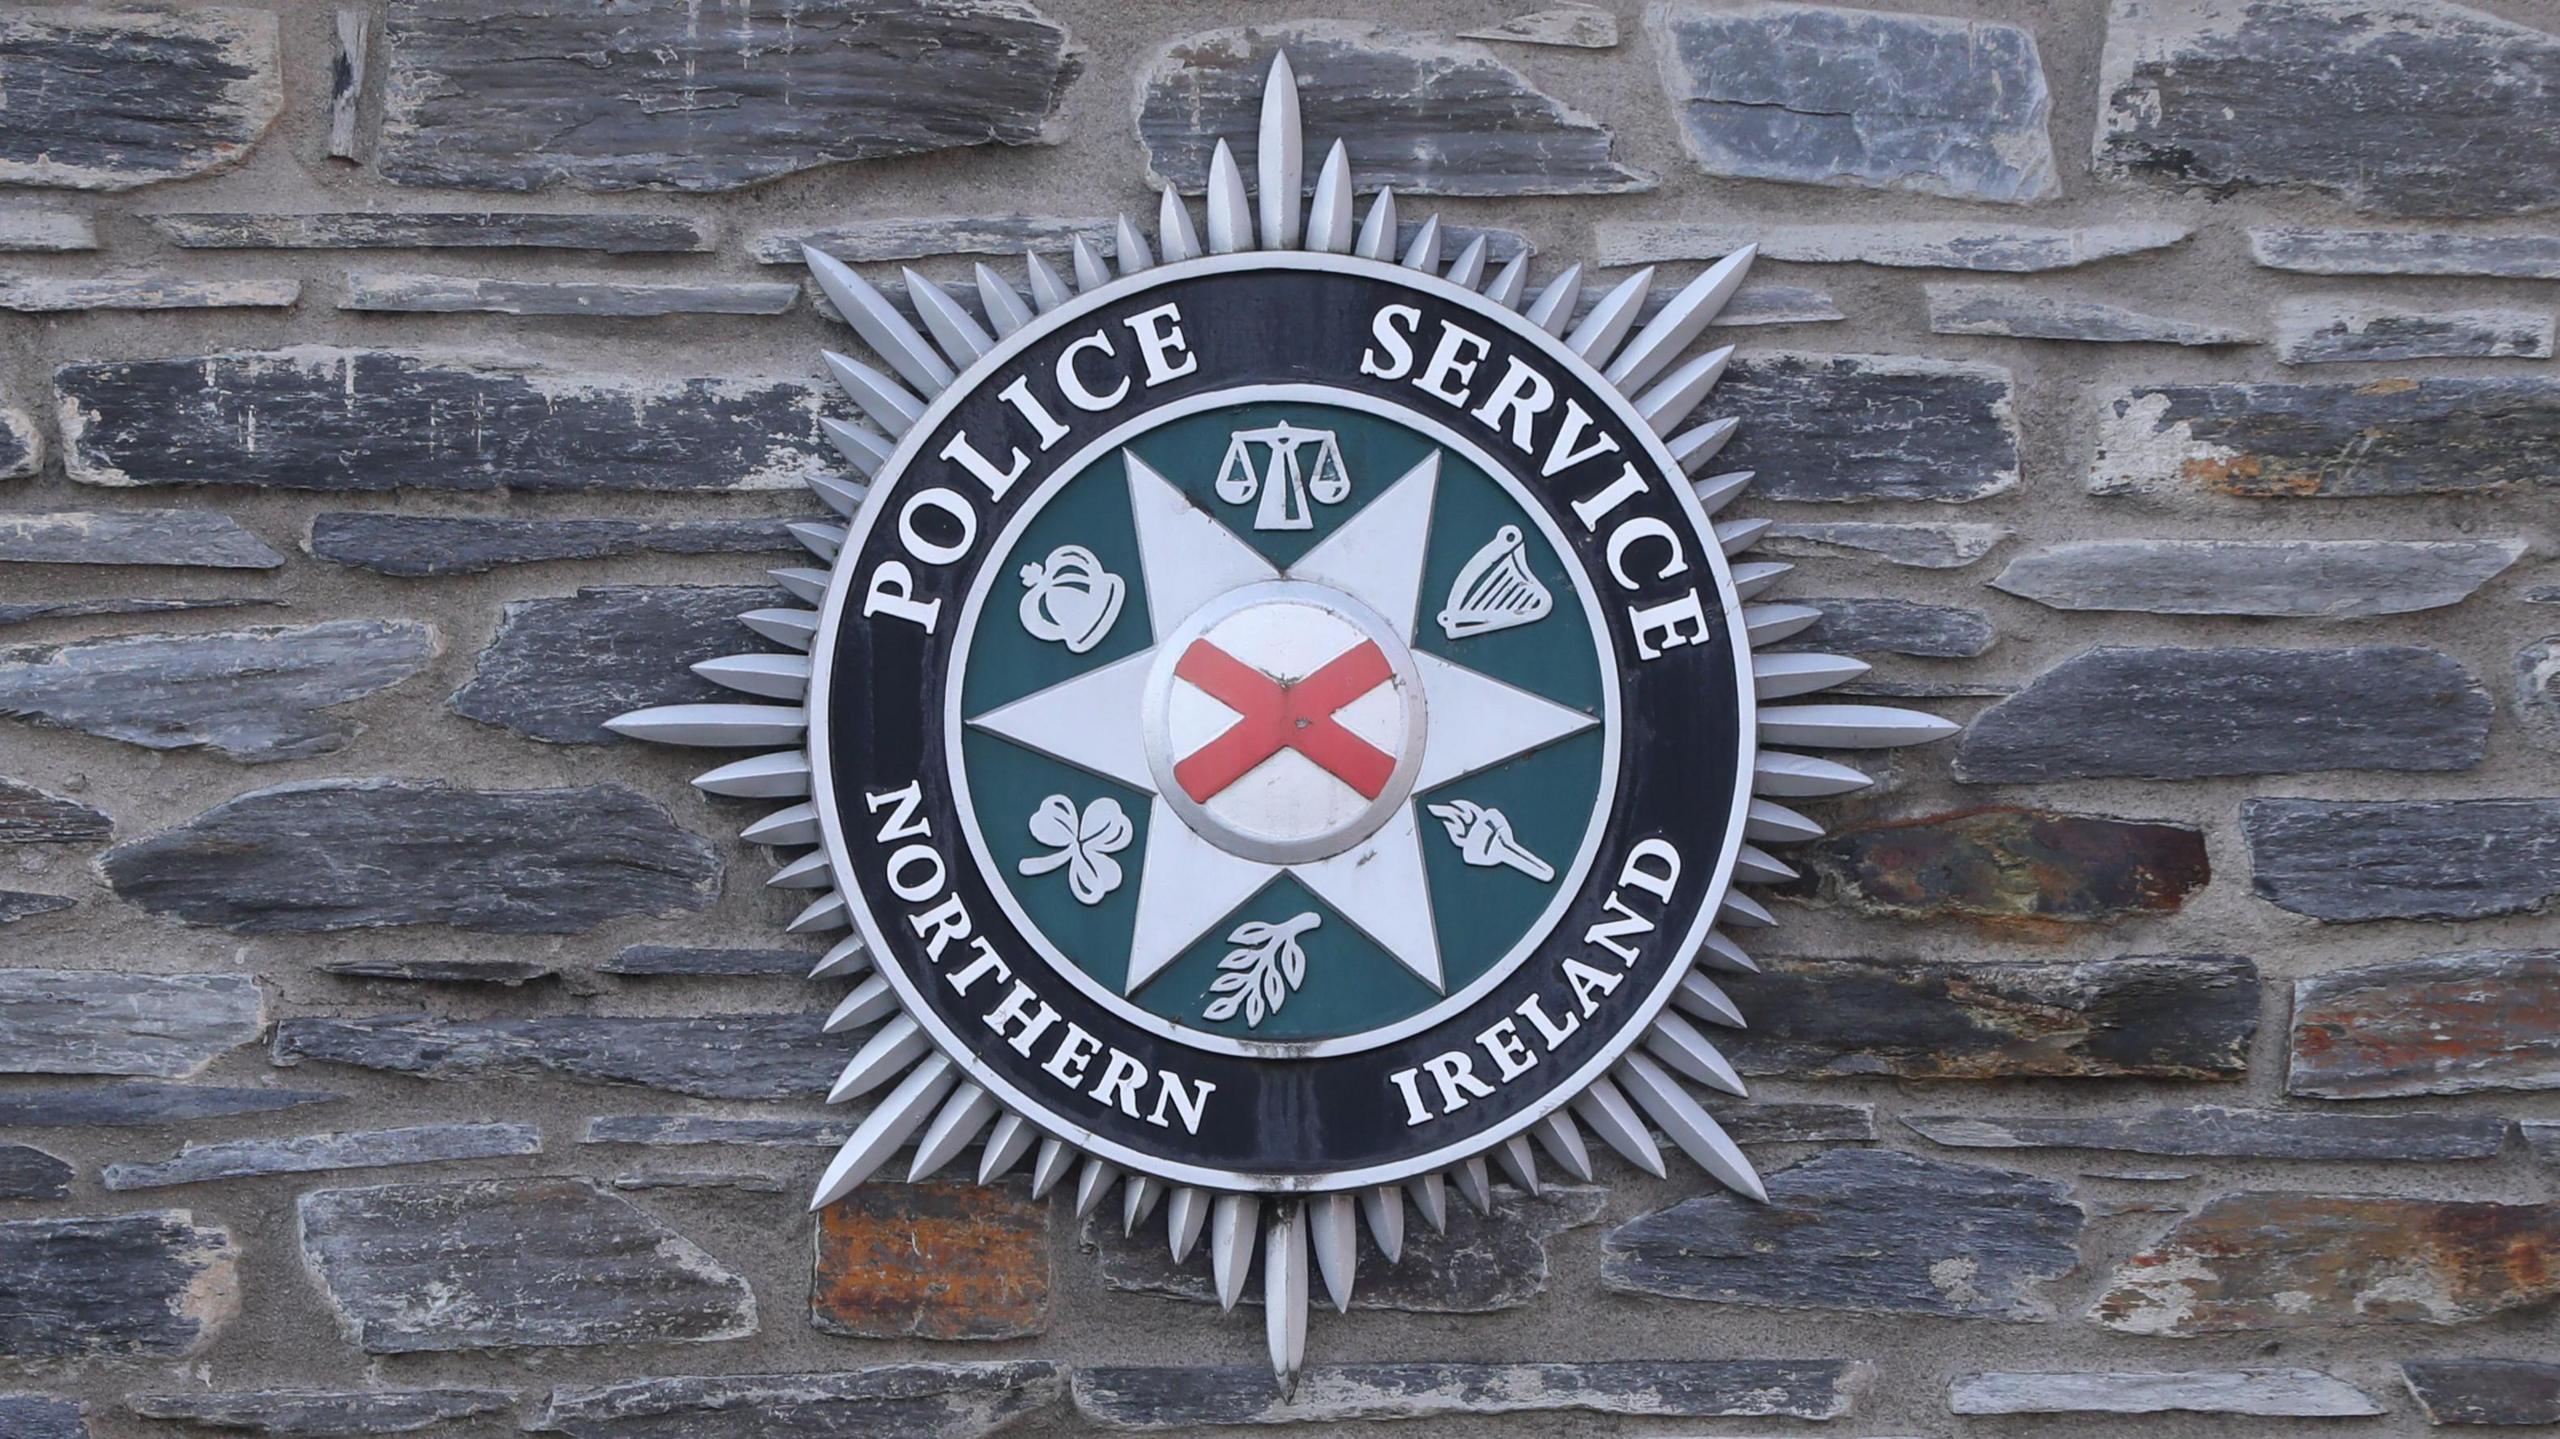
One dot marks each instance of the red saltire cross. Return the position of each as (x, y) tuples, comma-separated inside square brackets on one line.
[(1279, 716)]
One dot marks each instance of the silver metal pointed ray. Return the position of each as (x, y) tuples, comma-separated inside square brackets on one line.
[(1329, 215), (1619, 1126), (1233, 1222), (767, 675), (963, 1114), (1693, 448), (1051, 1164), (1008, 1139), (1475, 1183), (1717, 491), (806, 585), (953, 328), (1705, 999), (869, 1003), (1230, 210), (1424, 252), (715, 726), (1739, 910), (1735, 536), (1768, 624), (1174, 235), (1382, 1209), (810, 871), (1139, 1195), (1519, 1164), (1668, 403), (1721, 953), (1049, 289), (1430, 1194), (1378, 230), (1553, 309), (887, 1126), (1562, 1139), (1802, 776), (1597, 337), (796, 628), (1130, 247), (884, 1056), (1186, 1214), (842, 496), (1689, 1125), (1777, 677), (1681, 1045), (1278, 158), (1284, 1293), (849, 956), (861, 448), (891, 406), (1851, 726), (1510, 282), (1468, 268), (1091, 273), (824, 913), (880, 324), (795, 824), (823, 540), (1333, 1235), (1680, 321), (783, 774), (1093, 1182), (1002, 302), (1754, 865), (1753, 578)]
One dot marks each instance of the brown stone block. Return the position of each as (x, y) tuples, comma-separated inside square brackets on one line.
[(2021, 869), (932, 1261)]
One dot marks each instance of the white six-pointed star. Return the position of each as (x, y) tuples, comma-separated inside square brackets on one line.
[(1248, 784)]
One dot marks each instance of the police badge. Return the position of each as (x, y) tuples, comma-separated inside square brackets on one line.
[(1281, 727)]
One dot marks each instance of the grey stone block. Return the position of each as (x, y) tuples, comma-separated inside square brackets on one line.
[(321, 1413), (25, 230), (692, 1129), (2211, 1131), (317, 1153), (28, 815), (2296, 579), (714, 1056), (694, 963), (21, 445), (1870, 427), (2538, 689), (1169, 1397), (431, 970), (433, 545), (145, 1105), (2465, 1023), (609, 232), (107, 100), (2485, 1391), (35, 1416), (37, 613), (2429, 436), (742, 1180), (1922, 245), (2405, 252), (2324, 331), (18, 904), (27, 1172), (350, 80), (559, 668), (2349, 860), (1570, 27), (1869, 625), (2266, 1393), (883, 1401), (155, 1285), (166, 1026), (77, 294), (922, 237), (197, 539), (378, 290), (1916, 545), (2029, 315)]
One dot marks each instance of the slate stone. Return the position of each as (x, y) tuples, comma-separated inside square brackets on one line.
[(1763, 1121), (2211, 1131), (18, 904), (1425, 115), (1868, 625), (324, 855), (714, 1056), (2256, 1262), (1870, 427), (1480, 1266), (2144, 1016), (1756, 303), (1571, 27), (2030, 315), (2485, 1391), (922, 237), (21, 446), (1168, 1397), (350, 79), (77, 294), (104, 1021), (689, 1129), (880, 1401), (2406, 252), (2166, 712), (2543, 1139), (948, 1261), (28, 231), (2433, 436), (1921, 245), (1818, 95), (255, 696), (513, 1264), (2266, 1393), (321, 1413), (2293, 579), (606, 231), (153, 1284), (28, 614), (29, 1173), (420, 546), (316, 1153), (2015, 868), (2538, 689), (1916, 545), (453, 294), (108, 100), (316, 418), (682, 961), (144, 1105), (744, 1181), (33, 1416), (2397, 107), (432, 970), (2323, 331), (28, 815), (2347, 860), (197, 539), (560, 667), (2446, 1024)]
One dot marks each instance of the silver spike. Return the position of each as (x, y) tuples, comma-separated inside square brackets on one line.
[(1851, 726), (1706, 999), (825, 912), (1518, 1163), (1597, 337), (1129, 247), (1329, 216), (1754, 865), (1050, 1165), (1378, 230), (1717, 491), (848, 956), (961, 1117), (1680, 321), (1510, 282), (1138, 1199), (1690, 1126), (1430, 1194), (842, 496), (1278, 158), (1721, 953), (1230, 213), (1468, 268), (862, 449), (1008, 1140), (1424, 252), (823, 540), (714, 726), (1093, 1182), (891, 406), (1615, 1120), (1777, 677), (1382, 1209), (1735, 536), (1091, 273), (1333, 1233), (765, 675), (809, 871), (796, 628), (1670, 401), (1772, 823), (1553, 309), (1693, 448), (808, 586), (783, 774), (794, 824), (884, 1056), (1284, 1293), (1743, 912), (1801, 776), (1681, 1045), (1186, 1213), (869, 1003), (1174, 234), (1232, 1222), (1002, 302), (953, 328), (1562, 1139), (1475, 1182), (879, 324), (1768, 624), (1752, 580), (1048, 288), (886, 1127)]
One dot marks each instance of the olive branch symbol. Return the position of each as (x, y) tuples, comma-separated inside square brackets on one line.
[(1264, 969)]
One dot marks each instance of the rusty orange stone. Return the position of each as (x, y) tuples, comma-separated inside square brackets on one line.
[(932, 1261), (2024, 870)]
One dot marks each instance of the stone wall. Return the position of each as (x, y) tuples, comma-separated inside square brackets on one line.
[(2163, 387)]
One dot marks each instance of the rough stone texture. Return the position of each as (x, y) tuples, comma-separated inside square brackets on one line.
[(154, 1284), (691, 1129), (2542, 1137), (2485, 1391), (605, 231), (932, 1261), (29, 1173), (106, 100), (197, 539), (2031, 315), (339, 419), (1864, 1231), (28, 614), (1425, 115), (2011, 867), (744, 1181), (1915, 545), (255, 696), (2263, 1261), (1177, 1398), (2323, 331), (888, 1401), (1922, 245), (28, 815), (919, 237), (449, 294), (2406, 252), (315, 1153), (21, 446), (33, 1416), (431, 545), (2397, 436), (18, 904), (350, 78), (513, 1264), (2449, 859), (25, 231), (165, 1026), (1818, 95), (2294, 579), (2538, 689), (412, 970), (2151, 1016), (53, 295), (650, 96), (322, 1413), (559, 668), (2268, 1393), (677, 960), (2163, 712), (1870, 427), (2216, 1132), (2446, 1024), (1573, 27), (2397, 107), (1865, 626), (715, 1056), (145, 1105), (321, 855)]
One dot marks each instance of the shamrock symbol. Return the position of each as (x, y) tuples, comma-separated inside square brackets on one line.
[(1265, 969), (1084, 843)]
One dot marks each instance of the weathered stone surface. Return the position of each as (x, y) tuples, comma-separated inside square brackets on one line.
[(2164, 712), (1870, 427), (321, 1413), (2345, 860), (75, 294), (1868, 625), (1425, 115), (433, 970), (28, 614), (920, 237), (153, 1284), (742, 1180), (85, 1021), (323, 855), (1819, 95), (107, 100), (2032, 315), (2446, 1024), (2216, 1132), (715, 1056), (1764, 1121), (196, 539), (28, 231), (28, 815), (33, 1416), (2009, 866), (932, 1261), (611, 232), (2406, 252), (2272, 1393), (1572, 27), (1918, 545), (1167, 1397), (513, 1264), (1756, 303), (1923, 245), (2538, 689), (18, 904), (649, 96), (144, 1105), (435, 545), (255, 696), (688, 1129), (2296, 579), (1861, 1230), (2542, 1137), (2145, 1016), (350, 78), (2400, 107), (2261, 1261), (663, 959), (21, 446), (2322, 331), (451, 294), (2485, 1391), (316, 418), (315, 1153), (560, 667), (1481, 1265), (884, 1401), (2384, 437), (29, 1173)]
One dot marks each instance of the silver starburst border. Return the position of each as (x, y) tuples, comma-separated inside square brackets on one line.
[(928, 1100)]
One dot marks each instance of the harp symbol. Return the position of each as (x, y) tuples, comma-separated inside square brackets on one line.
[(1495, 590), (1284, 481)]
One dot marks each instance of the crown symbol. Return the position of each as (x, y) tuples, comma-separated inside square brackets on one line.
[(1071, 598), (1495, 590)]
